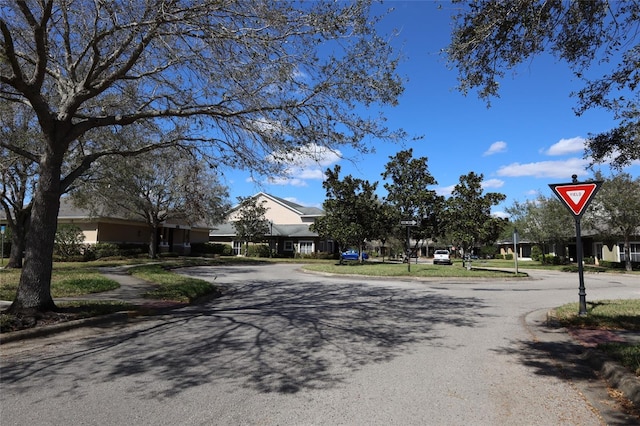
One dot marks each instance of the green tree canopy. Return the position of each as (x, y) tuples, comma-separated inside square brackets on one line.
[(408, 193), (614, 212), (250, 222), (544, 220), (468, 215), (492, 37), (351, 211)]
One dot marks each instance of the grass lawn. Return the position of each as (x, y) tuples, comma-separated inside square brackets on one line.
[(76, 279), (608, 314), (401, 270), (172, 286), (66, 281)]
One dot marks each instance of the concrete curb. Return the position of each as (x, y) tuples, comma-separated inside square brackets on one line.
[(616, 375), (48, 330), (542, 326)]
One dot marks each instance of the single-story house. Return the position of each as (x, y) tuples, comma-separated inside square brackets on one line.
[(173, 235), (289, 234), (592, 246)]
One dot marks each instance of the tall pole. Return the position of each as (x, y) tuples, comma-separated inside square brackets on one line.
[(408, 251), (582, 293), (2, 246), (515, 248)]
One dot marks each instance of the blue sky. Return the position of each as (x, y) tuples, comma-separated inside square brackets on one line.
[(529, 138)]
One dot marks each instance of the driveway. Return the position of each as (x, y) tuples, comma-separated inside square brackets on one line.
[(284, 347)]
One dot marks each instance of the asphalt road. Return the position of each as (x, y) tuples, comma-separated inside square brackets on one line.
[(288, 348)]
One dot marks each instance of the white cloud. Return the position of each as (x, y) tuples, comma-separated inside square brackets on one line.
[(445, 190), (566, 146), (306, 163), (495, 148), (501, 215), (493, 183), (287, 181), (547, 169)]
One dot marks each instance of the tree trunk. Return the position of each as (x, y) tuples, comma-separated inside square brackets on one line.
[(18, 238), (34, 289), (153, 242)]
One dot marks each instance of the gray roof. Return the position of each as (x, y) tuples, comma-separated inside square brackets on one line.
[(305, 211)]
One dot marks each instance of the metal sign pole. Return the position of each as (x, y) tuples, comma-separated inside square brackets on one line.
[(582, 293), (515, 248), (409, 224), (408, 249), (576, 196)]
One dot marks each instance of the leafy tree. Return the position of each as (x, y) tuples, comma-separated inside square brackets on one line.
[(492, 37), (250, 223), (157, 187), (387, 225), (615, 211), (408, 193), (351, 211), (235, 81), (544, 220), (17, 175), (468, 215)]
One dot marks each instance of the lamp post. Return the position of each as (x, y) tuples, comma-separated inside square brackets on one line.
[(515, 248)]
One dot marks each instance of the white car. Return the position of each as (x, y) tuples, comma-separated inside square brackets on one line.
[(441, 257)]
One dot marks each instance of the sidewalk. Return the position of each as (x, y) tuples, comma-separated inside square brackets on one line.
[(575, 348)]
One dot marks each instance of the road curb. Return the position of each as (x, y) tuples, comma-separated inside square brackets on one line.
[(48, 330), (616, 375), (540, 323)]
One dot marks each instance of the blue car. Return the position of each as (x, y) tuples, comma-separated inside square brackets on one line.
[(353, 255)]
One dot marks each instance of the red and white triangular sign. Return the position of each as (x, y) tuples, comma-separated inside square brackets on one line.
[(576, 196)]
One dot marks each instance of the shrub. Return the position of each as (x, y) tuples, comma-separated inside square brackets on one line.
[(68, 242), (508, 256), (536, 253), (258, 250), (102, 250), (488, 251), (211, 248), (550, 259)]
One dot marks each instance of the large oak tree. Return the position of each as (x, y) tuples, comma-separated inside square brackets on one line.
[(232, 80), (492, 37)]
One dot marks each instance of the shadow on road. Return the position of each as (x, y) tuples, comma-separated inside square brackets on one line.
[(269, 336)]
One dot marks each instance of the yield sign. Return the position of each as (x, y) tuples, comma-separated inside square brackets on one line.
[(576, 196)]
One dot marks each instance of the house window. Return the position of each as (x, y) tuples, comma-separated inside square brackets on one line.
[(288, 246), (237, 248), (634, 252), (306, 247)]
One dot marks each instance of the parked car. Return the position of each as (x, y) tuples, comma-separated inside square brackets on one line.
[(353, 255), (441, 257)]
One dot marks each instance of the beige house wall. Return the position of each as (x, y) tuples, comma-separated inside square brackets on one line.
[(138, 233), (611, 255), (276, 213)]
